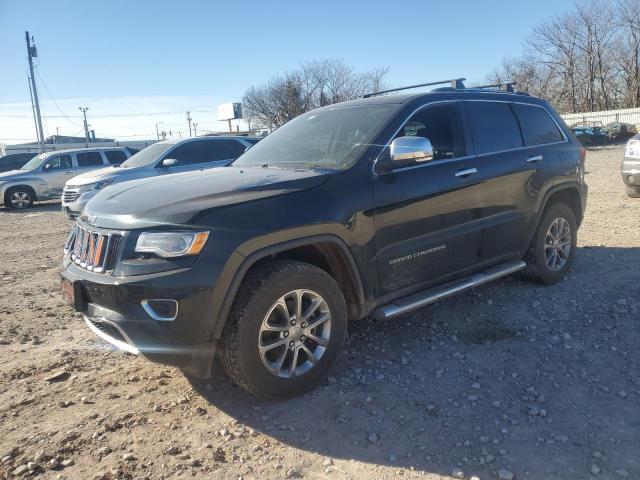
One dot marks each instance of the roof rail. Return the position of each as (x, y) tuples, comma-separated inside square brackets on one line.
[(456, 83), (508, 86)]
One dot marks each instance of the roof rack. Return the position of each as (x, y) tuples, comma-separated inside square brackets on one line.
[(508, 86), (456, 83)]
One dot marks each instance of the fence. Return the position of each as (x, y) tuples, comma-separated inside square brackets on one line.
[(628, 115), (50, 147)]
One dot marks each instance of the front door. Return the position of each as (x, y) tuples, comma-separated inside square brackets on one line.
[(427, 218), (56, 171)]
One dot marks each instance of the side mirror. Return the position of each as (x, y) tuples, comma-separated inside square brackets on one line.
[(169, 162), (47, 167), (418, 149)]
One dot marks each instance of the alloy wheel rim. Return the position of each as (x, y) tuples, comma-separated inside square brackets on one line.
[(557, 244), (20, 199), (294, 333)]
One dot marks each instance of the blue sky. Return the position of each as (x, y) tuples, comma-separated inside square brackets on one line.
[(150, 58)]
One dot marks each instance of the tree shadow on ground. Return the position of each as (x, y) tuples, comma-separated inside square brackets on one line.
[(512, 375)]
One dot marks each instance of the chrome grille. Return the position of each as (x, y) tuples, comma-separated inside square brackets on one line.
[(70, 195), (95, 250)]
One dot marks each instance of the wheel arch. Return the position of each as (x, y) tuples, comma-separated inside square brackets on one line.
[(326, 252)]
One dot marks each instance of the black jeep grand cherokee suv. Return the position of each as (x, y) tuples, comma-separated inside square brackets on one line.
[(370, 207)]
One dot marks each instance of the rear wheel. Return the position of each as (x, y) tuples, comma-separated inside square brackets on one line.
[(18, 198), (285, 331), (554, 245), (633, 192)]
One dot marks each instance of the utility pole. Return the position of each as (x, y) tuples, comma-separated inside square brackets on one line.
[(195, 131), (158, 133), (189, 120), (33, 52), (86, 126)]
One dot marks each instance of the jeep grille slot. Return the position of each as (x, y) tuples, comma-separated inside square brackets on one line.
[(94, 250)]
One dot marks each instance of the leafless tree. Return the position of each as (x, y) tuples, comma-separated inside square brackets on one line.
[(314, 84)]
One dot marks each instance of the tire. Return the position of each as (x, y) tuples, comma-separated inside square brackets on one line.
[(19, 198), (633, 192), (256, 311), (542, 265)]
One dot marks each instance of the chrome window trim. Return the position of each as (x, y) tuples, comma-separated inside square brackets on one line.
[(474, 155)]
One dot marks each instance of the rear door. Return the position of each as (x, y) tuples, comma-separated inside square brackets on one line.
[(426, 214), (514, 143)]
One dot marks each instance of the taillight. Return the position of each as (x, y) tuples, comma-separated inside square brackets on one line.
[(583, 154)]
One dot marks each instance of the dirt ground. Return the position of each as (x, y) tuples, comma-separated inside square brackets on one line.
[(511, 380)]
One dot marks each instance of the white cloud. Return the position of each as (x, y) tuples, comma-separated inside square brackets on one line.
[(121, 118)]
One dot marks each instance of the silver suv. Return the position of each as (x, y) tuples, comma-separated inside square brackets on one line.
[(168, 156), (43, 177)]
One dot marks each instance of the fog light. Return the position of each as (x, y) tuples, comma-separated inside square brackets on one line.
[(163, 310)]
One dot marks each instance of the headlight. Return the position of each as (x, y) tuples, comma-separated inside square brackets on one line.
[(172, 244), (101, 184), (633, 149)]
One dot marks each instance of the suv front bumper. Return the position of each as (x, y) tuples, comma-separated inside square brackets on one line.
[(112, 309), (631, 171), (74, 200)]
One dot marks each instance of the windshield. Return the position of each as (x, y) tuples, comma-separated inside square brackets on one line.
[(147, 155), (35, 162), (331, 138)]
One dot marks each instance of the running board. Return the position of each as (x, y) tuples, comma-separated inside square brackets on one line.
[(427, 297)]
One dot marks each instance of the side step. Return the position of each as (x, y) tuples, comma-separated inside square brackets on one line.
[(427, 297)]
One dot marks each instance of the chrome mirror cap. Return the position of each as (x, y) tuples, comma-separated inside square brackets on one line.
[(418, 149)]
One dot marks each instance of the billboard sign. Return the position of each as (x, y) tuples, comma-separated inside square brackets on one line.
[(229, 111)]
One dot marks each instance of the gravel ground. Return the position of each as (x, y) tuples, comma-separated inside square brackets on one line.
[(511, 380)]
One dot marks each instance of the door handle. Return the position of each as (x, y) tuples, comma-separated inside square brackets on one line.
[(68, 172), (535, 158), (466, 173)]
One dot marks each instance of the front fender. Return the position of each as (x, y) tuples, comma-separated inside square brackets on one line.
[(39, 186), (244, 258)]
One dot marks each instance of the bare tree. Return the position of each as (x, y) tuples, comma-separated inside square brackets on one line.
[(314, 84), (627, 55)]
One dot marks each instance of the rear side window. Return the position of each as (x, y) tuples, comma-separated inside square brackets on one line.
[(225, 149), (537, 126), (115, 157), (89, 159), (493, 126)]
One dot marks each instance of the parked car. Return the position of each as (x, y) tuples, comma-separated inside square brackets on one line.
[(43, 177), (14, 161), (631, 167), (376, 206), (168, 156), (590, 136), (619, 132)]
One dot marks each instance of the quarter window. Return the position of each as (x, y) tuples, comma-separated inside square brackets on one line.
[(493, 126), (115, 157), (89, 159), (440, 124), (537, 126)]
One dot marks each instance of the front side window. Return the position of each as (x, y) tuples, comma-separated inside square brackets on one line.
[(59, 162), (89, 159), (115, 157), (537, 126), (191, 153), (441, 125), (493, 126)]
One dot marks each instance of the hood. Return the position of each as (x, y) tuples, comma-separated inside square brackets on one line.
[(98, 175), (14, 174), (177, 198)]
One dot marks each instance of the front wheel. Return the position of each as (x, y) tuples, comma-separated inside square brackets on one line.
[(633, 192), (285, 331), (18, 198), (554, 245)]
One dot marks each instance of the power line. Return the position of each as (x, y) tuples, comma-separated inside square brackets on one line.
[(54, 101)]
